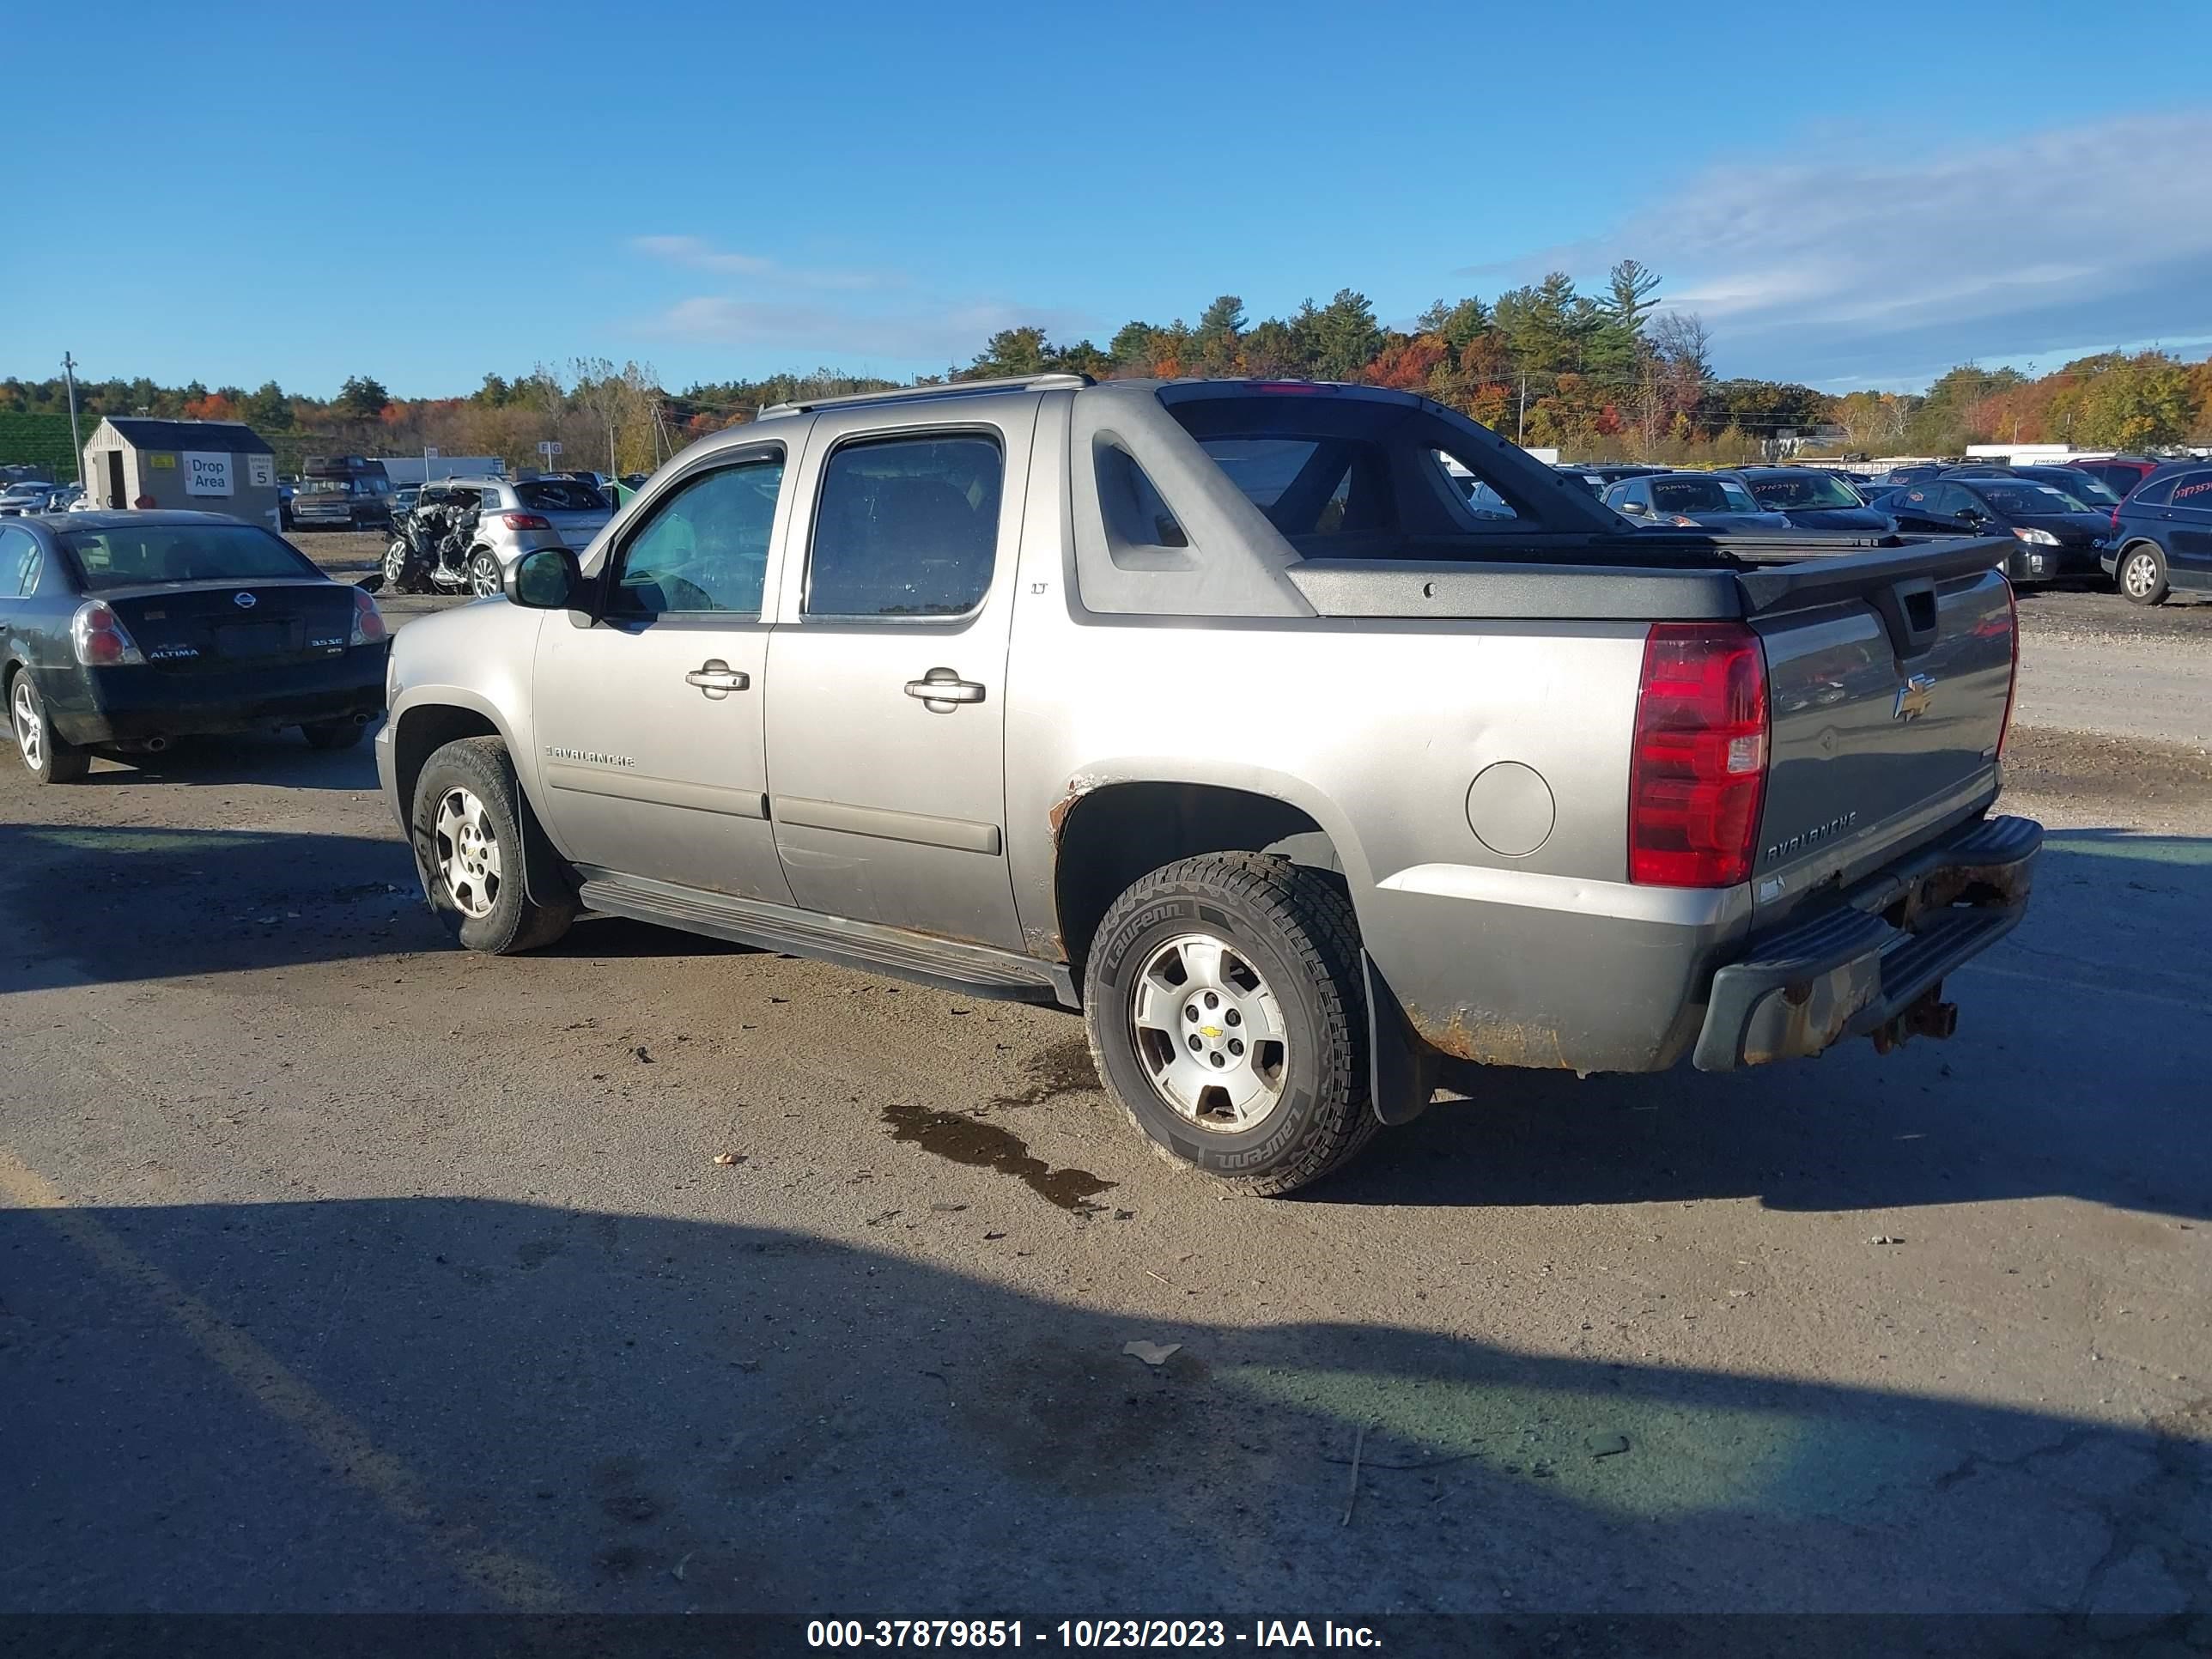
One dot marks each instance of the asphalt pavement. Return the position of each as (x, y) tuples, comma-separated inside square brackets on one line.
[(342, 1270)]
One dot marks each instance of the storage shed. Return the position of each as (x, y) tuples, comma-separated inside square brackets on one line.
[(200, 466)]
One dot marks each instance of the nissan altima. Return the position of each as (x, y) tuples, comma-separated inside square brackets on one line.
[(125, 630)]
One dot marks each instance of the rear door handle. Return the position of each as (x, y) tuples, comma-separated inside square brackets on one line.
[(942, 690), (716, 679)]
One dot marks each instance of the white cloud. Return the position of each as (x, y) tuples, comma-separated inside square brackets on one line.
[(1832, 269), (697, 253)]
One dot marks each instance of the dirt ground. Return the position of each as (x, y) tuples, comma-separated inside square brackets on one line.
[(342, 1270)]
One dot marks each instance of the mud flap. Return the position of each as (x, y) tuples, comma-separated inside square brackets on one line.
[(1403, 1070), (546, 877)]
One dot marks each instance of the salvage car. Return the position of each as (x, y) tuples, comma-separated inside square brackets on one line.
[(123, 631), (1691, 500), (2057, 534), (1811, 500), (1213, 710)]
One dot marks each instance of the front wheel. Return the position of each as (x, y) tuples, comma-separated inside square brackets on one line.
[(47, 755), (483, 573), (468, 837), (1227, 1012), (398, 562), (2142, 574)]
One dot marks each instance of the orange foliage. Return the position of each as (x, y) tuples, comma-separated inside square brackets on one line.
[(213, 407), (1407, 366)]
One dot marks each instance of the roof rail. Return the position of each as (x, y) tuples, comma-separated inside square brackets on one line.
[(950, 388)]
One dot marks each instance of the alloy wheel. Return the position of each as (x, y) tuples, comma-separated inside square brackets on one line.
[(1210, 1033), (30, 730), (468, 852), (2140, 576)]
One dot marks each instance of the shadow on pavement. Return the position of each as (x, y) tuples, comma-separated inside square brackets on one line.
[(281, 757), (2077, 1070), (436, 1403)]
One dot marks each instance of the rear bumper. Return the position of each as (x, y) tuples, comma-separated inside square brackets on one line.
[(129, 705), (1862, 967)]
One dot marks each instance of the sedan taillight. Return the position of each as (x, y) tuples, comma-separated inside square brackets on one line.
[(100, 639), (369, 625)]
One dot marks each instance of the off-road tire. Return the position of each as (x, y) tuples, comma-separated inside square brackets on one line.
[(2156, 590), (1298, 925), (516, 921), (59, 761), (333, 734)]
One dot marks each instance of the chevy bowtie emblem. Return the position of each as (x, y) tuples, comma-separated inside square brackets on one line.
[(1913, 697), (243, 601)]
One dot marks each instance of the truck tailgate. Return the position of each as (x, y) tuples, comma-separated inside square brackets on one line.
[(1889, 677)]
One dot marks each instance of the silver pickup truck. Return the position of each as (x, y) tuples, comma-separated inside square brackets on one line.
[(1317, 744)]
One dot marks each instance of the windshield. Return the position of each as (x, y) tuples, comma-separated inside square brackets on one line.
[(2030, 500), (2080, 485), (182, 553), (1786, 491), (1701, 496), (324, 487)]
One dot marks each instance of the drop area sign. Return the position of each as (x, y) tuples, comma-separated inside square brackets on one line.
[(207, 475)]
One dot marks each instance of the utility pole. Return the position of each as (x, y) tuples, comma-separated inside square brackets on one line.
[(68, 374), (1521, 423)]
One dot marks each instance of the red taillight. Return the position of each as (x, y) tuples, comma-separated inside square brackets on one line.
[(100, 639), (367, 621), (1698, 770), (525, 521), (2115, 515), (2012, 678)]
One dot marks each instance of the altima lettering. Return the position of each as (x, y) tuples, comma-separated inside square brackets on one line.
[(589, 756), (1813, 837)]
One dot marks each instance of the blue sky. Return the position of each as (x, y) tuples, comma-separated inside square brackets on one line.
[(425, 193)]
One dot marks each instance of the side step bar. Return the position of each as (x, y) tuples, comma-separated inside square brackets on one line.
[(975, 971)]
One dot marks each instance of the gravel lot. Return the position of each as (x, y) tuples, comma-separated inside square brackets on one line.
[(342, 1270)]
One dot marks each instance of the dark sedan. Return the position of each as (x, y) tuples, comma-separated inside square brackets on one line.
[(2058, 534), (123, 631), (1812, 499)]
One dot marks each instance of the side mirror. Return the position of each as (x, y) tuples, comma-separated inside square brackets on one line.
[(1970, 515), (548, 580), (1636, 507)]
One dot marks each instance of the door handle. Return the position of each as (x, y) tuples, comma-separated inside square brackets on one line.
[(941, 690), (716, 679)]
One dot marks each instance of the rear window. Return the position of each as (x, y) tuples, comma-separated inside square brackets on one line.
[(1310, 486), (560, 495), (182, 553)]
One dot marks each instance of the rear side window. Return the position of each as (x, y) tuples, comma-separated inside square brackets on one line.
[(2193, 491), (1132, 504), (705, 548), (906, 528)]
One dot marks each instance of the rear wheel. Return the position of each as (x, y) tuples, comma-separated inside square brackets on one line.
[(1227, 1012), (483, 573), (46, 757), (468, 836), (2142, 574)]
